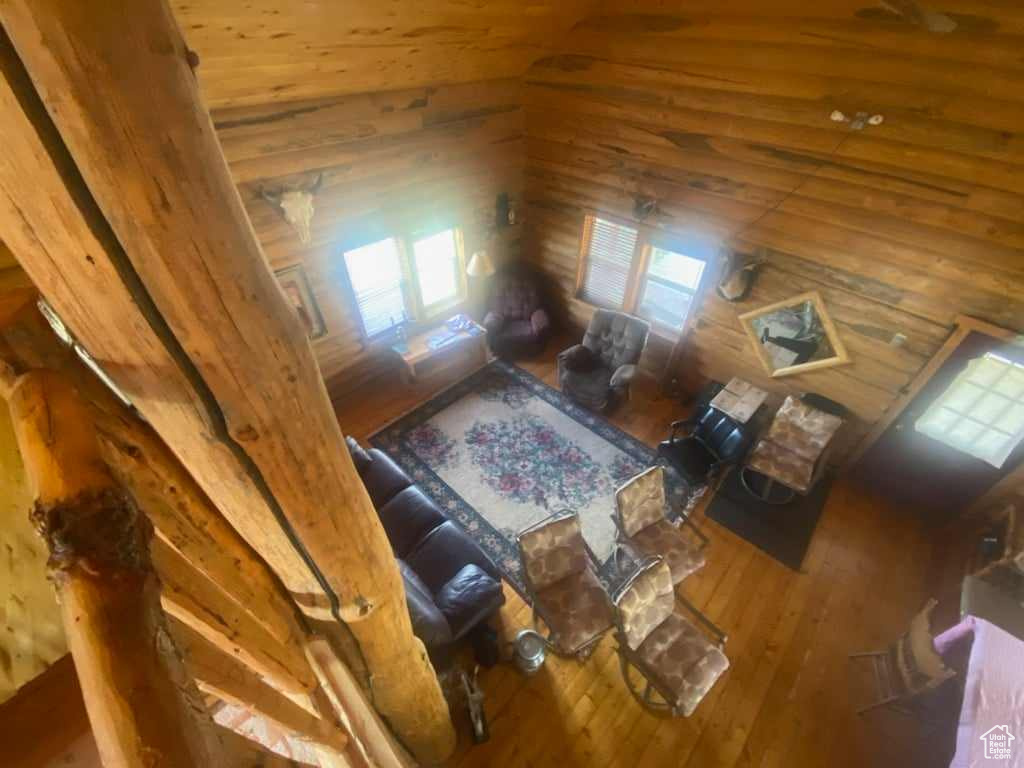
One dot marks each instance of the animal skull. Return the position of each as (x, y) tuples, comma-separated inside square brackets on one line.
[(296, 204)]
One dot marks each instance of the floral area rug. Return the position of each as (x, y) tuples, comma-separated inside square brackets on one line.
[(501, 450)]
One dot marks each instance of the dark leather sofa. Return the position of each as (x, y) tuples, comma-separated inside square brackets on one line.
[(451, 585)]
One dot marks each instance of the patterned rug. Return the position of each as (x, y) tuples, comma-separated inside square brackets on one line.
[(501, 450)]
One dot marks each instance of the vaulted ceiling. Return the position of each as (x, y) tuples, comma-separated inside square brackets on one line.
[(259, 51)]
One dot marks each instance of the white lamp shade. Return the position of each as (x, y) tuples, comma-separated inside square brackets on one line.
[(480, 265)]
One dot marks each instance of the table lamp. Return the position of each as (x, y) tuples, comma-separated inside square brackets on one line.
[(480, 265)]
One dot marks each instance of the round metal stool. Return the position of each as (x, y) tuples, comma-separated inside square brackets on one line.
[(765, 488)]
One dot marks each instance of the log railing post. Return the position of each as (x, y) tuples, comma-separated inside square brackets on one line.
[(143, 707), (186, 520), (117, 83)]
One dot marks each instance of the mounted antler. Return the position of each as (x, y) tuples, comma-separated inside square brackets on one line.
[(296, 203), (738, 277)]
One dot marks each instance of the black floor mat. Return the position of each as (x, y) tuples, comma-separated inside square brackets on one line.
[(784, 532)]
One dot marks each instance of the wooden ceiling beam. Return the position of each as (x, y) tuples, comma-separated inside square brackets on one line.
[(127, 105)]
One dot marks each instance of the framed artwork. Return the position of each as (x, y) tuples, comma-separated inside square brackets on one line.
[(296, 289), (794, 336)]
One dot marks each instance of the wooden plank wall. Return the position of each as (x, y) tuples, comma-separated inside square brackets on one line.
[(388, 159), (725, 120)]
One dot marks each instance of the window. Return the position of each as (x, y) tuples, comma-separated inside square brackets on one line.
[(400, 279), (610, 250), (669, 287), (437, 268), (982, 412), (622, 268), (375, 273)]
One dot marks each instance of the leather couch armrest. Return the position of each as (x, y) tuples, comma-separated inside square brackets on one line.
[(469, 598)]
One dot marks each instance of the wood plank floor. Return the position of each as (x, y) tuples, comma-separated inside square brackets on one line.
[(790, 696)]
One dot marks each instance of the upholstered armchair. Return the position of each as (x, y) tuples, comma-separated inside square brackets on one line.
[(676, 661), (516, 323), (599, 371), (645, 531), (702, 447), (563, 588), (794, 452)]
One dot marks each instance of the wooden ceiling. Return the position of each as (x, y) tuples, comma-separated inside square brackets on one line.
[(259, 51)]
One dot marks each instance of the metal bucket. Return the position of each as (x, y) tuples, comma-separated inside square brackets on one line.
[(530, 651)]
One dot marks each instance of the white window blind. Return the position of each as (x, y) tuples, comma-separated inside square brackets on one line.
[(982, 412), (375, 273), (436, 259), (609, 258), (671, 283)]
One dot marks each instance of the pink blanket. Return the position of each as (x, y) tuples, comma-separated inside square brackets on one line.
[(992, 716)]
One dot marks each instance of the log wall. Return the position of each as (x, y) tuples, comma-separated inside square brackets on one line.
[(387, 159), (725, 120)]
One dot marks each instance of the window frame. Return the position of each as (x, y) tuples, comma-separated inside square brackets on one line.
[(647, 240), (417, 313)]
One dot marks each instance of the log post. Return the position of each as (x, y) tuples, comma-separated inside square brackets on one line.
[(116, 80), (143, 708)]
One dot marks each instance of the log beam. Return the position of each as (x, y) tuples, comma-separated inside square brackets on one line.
[(208, 610), (141, 704), (128, 109), (188, 239), (230, 680)]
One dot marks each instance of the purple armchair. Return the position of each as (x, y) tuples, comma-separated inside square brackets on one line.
[(516, 323)]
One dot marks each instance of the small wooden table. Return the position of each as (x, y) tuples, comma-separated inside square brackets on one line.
[(438, 341)]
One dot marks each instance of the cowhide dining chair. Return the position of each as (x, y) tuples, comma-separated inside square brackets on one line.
[(643, 528), (563, 587), (667, 662)]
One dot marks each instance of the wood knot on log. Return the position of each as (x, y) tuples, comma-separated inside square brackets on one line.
[(100, 532)]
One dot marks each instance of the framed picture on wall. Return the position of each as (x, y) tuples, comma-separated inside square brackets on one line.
[(296, 288)]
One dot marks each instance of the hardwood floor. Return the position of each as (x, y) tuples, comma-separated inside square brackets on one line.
[(790, 696)]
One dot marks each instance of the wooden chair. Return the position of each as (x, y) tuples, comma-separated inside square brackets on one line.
[(676, 662), (643, 529), (908, 668), (564, 591)]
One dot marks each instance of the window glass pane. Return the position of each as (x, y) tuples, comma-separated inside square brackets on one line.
[(672, 281), (981, 412), (676, 268), (375, 273), (609, 260), (991, 408), (436, 260)]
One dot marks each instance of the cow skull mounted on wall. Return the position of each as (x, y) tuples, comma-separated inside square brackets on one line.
[(296, 203)]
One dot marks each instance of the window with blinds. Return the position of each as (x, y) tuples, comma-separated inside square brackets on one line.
[(609, 252), (375, 273), (436, 260)]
